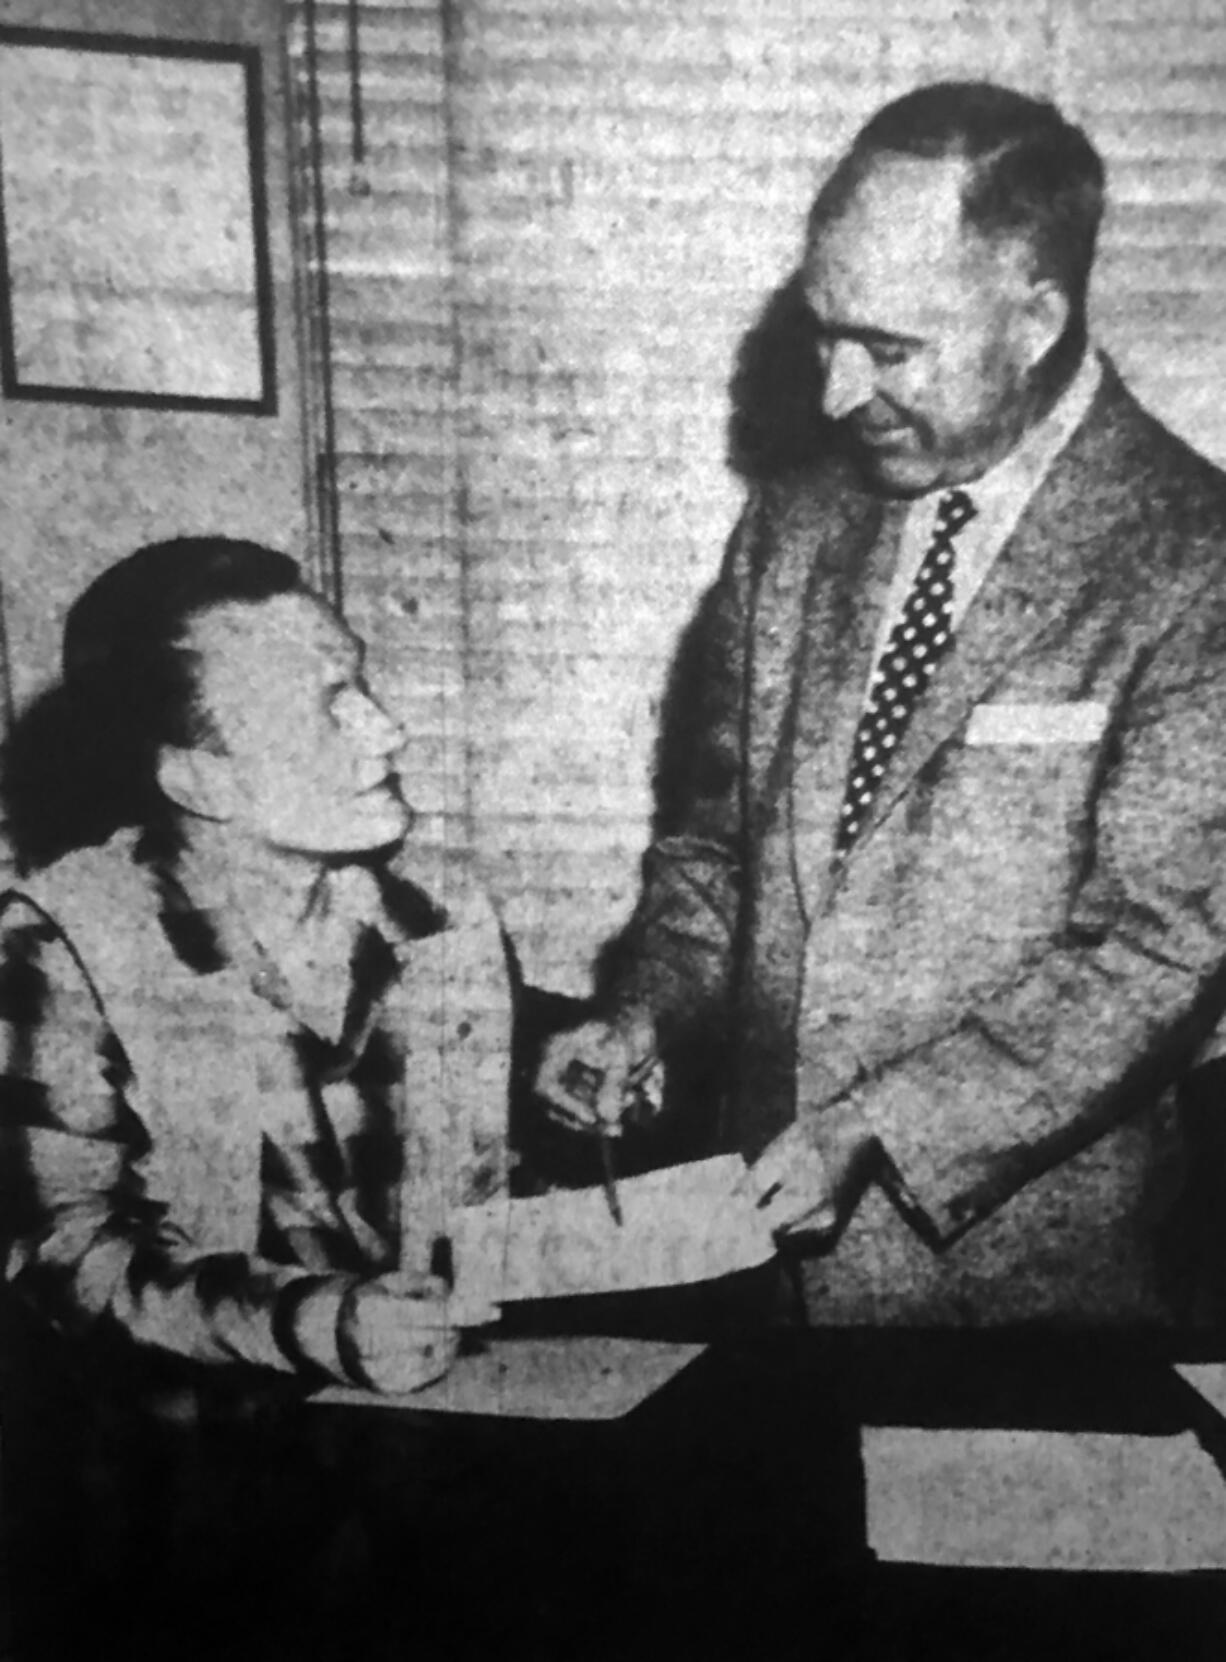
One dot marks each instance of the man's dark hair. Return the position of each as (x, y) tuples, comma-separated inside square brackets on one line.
[(1031, 176), (81, 760)]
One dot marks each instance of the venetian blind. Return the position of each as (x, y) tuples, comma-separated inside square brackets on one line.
[(573, 214)]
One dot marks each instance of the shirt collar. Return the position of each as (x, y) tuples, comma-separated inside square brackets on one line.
[(1014, 479), (314, 979)]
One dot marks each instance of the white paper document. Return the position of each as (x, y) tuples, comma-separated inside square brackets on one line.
[(583, 1378), (680, 1225)]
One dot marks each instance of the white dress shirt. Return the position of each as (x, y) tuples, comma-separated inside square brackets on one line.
[(1000, 497)]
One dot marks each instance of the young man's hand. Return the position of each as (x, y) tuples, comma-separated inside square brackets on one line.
[(402, 1340)]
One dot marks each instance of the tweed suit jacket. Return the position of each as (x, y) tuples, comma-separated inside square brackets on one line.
[(1024, 947)]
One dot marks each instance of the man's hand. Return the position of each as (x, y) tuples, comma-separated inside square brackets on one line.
[(403, 1339), (810, 1185), (591, 1076)]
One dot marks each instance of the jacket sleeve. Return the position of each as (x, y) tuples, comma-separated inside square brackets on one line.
[(83, 1241), (675, 958), (1116, 1007)]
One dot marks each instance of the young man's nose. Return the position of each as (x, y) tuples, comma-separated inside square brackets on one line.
[(851, 379), (378, 731)]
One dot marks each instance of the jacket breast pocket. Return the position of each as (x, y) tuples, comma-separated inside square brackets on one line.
[(1048, 723), (1011, 824)]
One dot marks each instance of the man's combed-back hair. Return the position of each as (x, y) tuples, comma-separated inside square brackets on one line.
[(1030, 173), (81, 761), (1031, 177)]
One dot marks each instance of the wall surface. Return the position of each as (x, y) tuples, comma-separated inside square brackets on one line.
[(83, 485), (565, 219)]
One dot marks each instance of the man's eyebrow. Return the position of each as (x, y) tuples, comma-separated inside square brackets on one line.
[(865, 334)]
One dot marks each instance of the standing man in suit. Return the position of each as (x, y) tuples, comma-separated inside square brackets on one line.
[(952, 864)]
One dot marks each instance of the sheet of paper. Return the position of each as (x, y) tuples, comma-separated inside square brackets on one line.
[(584, 1378), (1207, 1378), (681, 1224)]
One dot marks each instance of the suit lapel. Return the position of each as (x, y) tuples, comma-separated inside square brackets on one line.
[(847, 565), (1038, 577)]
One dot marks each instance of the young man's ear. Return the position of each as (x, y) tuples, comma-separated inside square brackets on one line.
[(197, 780)]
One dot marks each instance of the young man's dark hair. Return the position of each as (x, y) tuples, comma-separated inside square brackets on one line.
[(80, 762)]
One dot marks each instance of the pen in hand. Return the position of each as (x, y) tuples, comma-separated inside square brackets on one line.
[(584, 1082), (610, 1185)]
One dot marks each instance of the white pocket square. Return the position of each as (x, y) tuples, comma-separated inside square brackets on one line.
[(1080, 721)]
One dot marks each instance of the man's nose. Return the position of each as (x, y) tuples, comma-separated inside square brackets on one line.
[(851, 379)]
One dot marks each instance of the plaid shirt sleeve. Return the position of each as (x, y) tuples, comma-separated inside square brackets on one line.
[(82, 1240)]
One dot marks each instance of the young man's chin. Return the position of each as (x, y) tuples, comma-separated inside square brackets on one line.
[(386, 831), (374, 835)]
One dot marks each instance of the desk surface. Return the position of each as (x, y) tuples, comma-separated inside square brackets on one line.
[(581, 1378), (599, 1377)]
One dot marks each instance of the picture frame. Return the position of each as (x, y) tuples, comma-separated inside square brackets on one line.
[(134, 260)]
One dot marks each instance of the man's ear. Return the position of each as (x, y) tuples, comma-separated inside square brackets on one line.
[(197, 780), (1039, 321)]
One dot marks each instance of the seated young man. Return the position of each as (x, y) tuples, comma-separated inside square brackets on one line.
[(252, 1047), (223, 1012)]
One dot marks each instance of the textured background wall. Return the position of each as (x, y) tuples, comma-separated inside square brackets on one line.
[(84, 485), (571, 214)]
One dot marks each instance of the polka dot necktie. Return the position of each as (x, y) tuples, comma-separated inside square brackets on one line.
[(916, 644)]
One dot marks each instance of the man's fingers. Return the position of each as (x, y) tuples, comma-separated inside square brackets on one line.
[(578, 1110), (560, 1102), (591, 1099), (787, 1160), (612, 1099), (803, 1191), (570, 1074), (790, 1181), (818, 1220), (584, 1078), (765, 1174), (791, 1212), (562, 1105)]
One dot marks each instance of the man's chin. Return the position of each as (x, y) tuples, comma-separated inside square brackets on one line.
[(889, 473), (891, 469), (387, 817)]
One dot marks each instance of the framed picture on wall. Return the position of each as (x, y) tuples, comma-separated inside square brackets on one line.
[(134, 261)]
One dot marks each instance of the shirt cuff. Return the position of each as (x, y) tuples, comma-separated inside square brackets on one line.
[(835, 1129), (307, 1326)]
